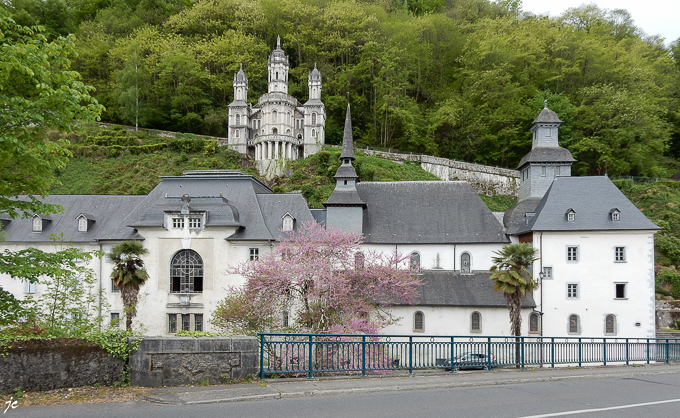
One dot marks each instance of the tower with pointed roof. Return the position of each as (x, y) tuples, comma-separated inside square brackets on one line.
[(280, 128), (345, 209), (546, 160)]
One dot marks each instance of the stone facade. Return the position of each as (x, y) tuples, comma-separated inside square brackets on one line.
[(175, 361), (35, 365)]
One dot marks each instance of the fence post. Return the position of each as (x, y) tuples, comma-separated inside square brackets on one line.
[(410, 355), (667, 352), (261, 356), (647, 350), (521, 341), (488, 354), (311, 339), (580, 348), (604, 350), (627, 353), (552, 352), (453, 369), (363, 355)]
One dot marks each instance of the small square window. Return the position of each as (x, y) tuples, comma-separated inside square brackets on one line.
[(31, 287), (198, 322), (115, 319), (178, 223), (547, 273), (114, 288), (572, 291), (572, 254), (620, 254), (186, 321), (620, 291), (172, 323), (571, 217), (194, 223), (254, 254)]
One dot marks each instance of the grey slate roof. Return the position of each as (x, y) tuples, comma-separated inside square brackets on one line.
[(240, 76), (347, 140), (349, 197), (514, 218), (449, 288), (108, 213), (547, 116), (547, 155), (275, 206), (427, 212), (592, 199), (315, 75)]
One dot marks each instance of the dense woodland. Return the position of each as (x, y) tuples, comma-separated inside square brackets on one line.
[(461, 79)]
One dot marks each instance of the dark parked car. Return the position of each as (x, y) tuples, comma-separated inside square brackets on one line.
[(469, 361)]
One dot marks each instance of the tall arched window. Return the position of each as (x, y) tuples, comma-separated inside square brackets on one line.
[(313, 118), (313, 133), (610, 325), (476, 322), (237, 134), (275, 117), (534, 325), (574, 326), (186, 272), (238, 120), (418, 322), (415, 261), (465, 263)]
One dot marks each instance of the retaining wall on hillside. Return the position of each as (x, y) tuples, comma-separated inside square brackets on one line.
[(667, 312)]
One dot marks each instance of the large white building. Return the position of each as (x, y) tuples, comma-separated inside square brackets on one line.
[(279, 128), (596, 248)]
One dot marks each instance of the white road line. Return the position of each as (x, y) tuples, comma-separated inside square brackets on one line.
[(611, 408)]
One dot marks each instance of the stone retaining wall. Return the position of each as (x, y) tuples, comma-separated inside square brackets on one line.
[(667, 312), (36, 365), (174, 361)]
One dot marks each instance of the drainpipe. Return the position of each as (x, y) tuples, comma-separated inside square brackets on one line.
[(101, 270), (454, 257), (539, 275)]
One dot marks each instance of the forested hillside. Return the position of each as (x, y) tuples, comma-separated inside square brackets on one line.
[(461, 79)]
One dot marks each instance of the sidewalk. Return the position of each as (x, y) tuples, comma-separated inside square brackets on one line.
[(422, 380)]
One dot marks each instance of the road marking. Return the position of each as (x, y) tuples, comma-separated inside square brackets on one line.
[(610, 408)]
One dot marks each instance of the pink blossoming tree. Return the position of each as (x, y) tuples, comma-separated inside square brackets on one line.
[(323, 280)]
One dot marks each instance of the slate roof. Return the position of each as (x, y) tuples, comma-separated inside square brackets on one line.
[(450, 288), (275, 206), (547, 155), (424, 212), (347, 140), (592, 199), (547, 116), (107, 212), (514, 218)]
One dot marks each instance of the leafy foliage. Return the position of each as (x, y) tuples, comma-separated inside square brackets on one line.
[(319, 278)]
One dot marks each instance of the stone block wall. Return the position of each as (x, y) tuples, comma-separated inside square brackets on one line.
[(667, 312), (174, 361), (35, 365)]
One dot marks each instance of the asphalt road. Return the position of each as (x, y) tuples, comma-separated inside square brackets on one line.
[(655, 396)]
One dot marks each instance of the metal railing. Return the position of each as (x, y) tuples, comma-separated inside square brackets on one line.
[(309, 354)]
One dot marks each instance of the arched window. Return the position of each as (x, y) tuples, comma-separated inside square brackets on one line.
[(275, 131), (186, 272), (238, 120), (288, 222), (418, 322), (288, 119), (287, 131), (415, 261), (476, 322), (275, 117), (313, 133), (37, 224), (237, 134), (359, 260), (574, 325), (285, 318), (465, 264), (313, 118), (534, 324), (610, 325)]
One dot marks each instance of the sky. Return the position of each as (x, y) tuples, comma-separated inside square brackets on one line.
[(654, 17)]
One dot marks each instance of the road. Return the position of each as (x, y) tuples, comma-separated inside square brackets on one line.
[(643, 396)]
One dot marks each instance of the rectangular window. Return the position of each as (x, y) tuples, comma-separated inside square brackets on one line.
[(198, 322), (542, 171), (254, 254), (285, 322), (615, 216), (620, 254), (572, 291), (114, 288), (194, 223), (115, 319), (186, 322), (547, 273), (178, 223), (572, 254), (620, 290), (31, 287), (172, 323), (557, 171)]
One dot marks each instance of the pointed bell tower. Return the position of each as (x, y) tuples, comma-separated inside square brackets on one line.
[(278, 67), (239, 113), (345, 209)]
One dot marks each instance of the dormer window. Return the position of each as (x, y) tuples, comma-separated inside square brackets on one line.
[(178, 223), (84, 222), (615, 215), (287, 222), (37, 224), (571, 215)]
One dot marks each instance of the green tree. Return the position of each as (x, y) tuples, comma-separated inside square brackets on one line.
[(512, 275), (132, 86), (128, 274)]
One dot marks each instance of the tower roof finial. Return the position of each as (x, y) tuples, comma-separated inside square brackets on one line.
[(278, 42), (347, 140)]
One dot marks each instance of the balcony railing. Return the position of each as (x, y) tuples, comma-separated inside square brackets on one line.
[(275, 138)]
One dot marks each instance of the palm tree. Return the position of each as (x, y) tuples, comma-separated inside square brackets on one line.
[(128, 274), (512, 275)]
